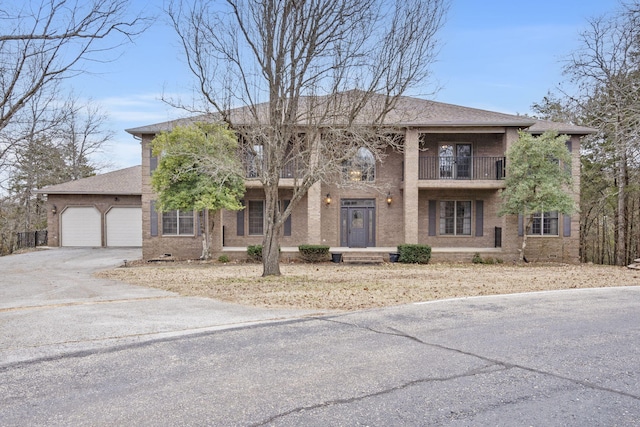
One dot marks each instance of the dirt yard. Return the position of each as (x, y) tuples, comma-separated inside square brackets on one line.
[(351, 287)]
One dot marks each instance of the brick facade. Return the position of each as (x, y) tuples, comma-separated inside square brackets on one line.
[(418, 195), (405, 220)]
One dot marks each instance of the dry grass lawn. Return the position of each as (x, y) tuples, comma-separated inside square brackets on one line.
[(351, 287)]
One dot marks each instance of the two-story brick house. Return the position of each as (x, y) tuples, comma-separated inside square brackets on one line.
[(442, 189)]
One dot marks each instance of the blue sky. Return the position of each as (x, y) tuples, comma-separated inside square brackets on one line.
[(499, 55)]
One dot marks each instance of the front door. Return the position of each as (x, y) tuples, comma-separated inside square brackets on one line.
[(357, 229)]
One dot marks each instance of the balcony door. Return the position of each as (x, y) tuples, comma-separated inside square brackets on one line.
[(455, 161)]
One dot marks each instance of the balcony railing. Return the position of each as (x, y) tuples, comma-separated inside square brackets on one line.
[(288, 171), (461, 168)]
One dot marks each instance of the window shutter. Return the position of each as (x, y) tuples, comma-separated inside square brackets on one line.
[(566, 225), (520, 225), (570, 148), (287, 223), (240, 221), (153, 161), (432, 217), (479, 218), (199, 222), (154, 219)]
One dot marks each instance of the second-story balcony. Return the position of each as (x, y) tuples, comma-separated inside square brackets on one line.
[(465, 168), (287, 174)]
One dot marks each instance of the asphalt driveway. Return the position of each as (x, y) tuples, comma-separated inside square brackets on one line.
[(50, 304), (75, 350)]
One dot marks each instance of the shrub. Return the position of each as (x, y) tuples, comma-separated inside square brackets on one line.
[(223, 258), (477, 259), (414, 254), (254, 252), (314, 253)]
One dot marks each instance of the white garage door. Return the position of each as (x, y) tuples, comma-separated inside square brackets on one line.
[(81, 226), (124, 227)]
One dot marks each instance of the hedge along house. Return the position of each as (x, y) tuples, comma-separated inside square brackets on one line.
[(98, 211), (442, 188)]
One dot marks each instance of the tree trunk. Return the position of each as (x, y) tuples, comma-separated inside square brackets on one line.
[(524, 235), (206, 236), (620, 219), (271, 240)]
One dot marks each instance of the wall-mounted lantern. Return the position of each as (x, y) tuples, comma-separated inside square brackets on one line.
[(327, 199), (54, 210), (389, 198)]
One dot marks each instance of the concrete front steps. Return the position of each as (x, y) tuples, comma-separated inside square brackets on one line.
[(362, 258), (635, 265)]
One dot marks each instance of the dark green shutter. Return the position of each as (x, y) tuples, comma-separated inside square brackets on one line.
[(153, 161), (479, 218), (432, 217), (566, 225), (570, 148), (287, 223), (240, 221), (520, 225), (154, 219)]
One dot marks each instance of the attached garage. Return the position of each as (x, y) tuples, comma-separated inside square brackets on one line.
[(124, 227), (81, 226), (101, 210)]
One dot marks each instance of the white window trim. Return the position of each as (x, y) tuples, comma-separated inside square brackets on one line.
[(542, 233)]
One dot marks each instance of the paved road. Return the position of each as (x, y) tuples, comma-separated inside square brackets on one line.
[(557, 358)]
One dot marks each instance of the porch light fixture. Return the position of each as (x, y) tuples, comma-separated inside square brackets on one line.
[(327, 199), (389, 198), (54, 210)]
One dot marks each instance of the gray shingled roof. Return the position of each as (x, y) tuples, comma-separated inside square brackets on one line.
[(408, 112), (414, 112), (541, 126), (121, 182)]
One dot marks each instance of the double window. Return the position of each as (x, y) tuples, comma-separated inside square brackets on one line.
[(455, 218), (177, 223), (544, 224)]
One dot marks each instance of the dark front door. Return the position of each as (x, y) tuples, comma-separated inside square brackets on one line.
[(357, 228)]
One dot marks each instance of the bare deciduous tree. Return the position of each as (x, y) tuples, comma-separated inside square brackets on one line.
[(607, 71), (312, 82), (55, 145), (79, 134), (43, 42)]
